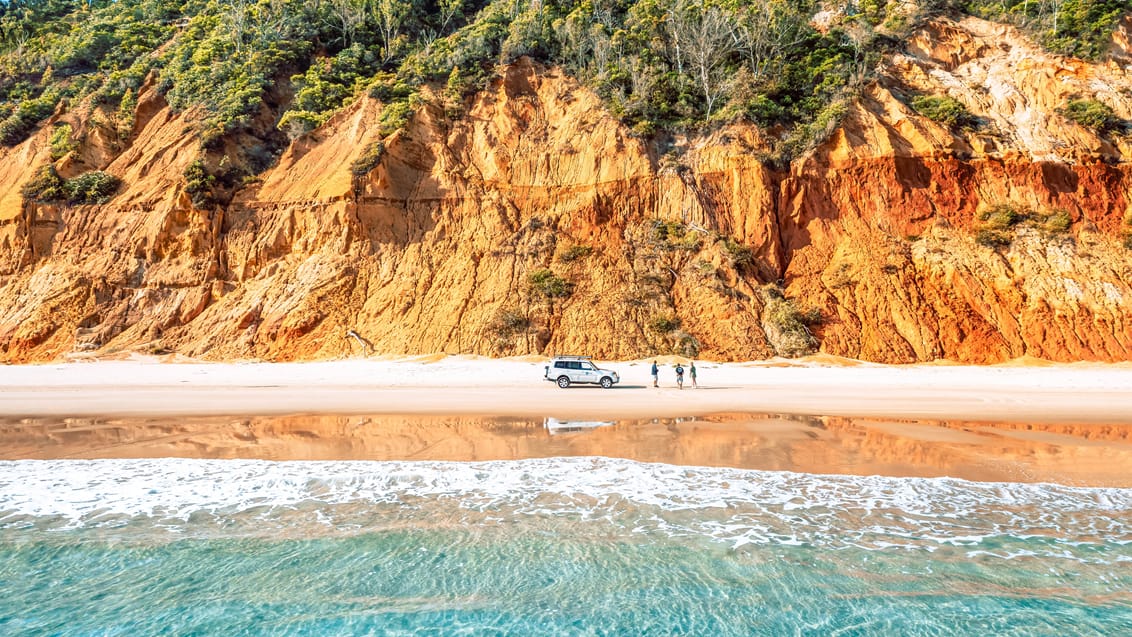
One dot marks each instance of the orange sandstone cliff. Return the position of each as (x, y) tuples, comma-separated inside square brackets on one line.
[(693, 245)]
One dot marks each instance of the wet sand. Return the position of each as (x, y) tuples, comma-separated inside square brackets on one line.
[(1073, 454)]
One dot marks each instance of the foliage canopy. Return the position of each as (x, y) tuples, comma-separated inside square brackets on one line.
[(658, 64)]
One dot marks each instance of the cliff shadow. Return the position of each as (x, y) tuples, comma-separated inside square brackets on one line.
[(1058, 178)]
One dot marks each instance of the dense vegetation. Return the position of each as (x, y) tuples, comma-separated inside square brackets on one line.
[(946, 110), (999, 222), (91, 187), (659, 64), (1092, 114)]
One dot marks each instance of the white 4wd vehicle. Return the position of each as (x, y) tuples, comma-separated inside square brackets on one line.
[(578, 369)]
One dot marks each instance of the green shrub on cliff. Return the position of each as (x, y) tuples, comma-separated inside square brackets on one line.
[(810, 134), (61, 143), (229, 55), (45, 185), (997, 227), (664, 323), (547, 284), (1091, 114), (124, 118), (91, 187), (673, 235), (1055, 221), (328, 84), (785, 325), (199, 183), (95, 186), (1003, 216), (992, 238), (24, 118), (999, 222), (946, 110), (395, 117), (509, 322), (369, 159), (575, 252), (738, 255)]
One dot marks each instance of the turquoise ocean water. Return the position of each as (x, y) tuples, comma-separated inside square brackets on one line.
[(559, 546)]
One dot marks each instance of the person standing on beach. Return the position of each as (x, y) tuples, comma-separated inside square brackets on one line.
[(692, 373), (679, 376), (655, 374)]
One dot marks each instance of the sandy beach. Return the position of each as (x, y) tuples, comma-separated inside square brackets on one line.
[(1077, 393), (1023, 422)]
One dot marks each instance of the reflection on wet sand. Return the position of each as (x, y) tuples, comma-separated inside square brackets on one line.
[(1093, 455)]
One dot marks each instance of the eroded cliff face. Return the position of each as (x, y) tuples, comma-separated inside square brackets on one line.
[(650, 247)]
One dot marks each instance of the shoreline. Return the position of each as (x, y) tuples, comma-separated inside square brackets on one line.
[(1072, 393), (1066, 424)]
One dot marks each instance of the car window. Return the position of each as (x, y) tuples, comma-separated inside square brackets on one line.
[(575, 365), (587, 366), (561, 365)]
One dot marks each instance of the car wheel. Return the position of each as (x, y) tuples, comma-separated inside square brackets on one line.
[(606, 382), (563, 382)]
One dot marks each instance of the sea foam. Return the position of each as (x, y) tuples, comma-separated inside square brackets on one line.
[(735, 507)]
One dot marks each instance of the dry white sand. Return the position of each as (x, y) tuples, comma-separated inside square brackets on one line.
[(1084, 393)]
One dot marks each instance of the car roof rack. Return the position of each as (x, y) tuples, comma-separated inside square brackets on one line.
[(573, 358)]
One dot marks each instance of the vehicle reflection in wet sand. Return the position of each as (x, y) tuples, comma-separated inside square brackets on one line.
[(1094, 455), (556, 426)]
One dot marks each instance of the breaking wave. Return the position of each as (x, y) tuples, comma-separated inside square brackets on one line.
[(729, 506)]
